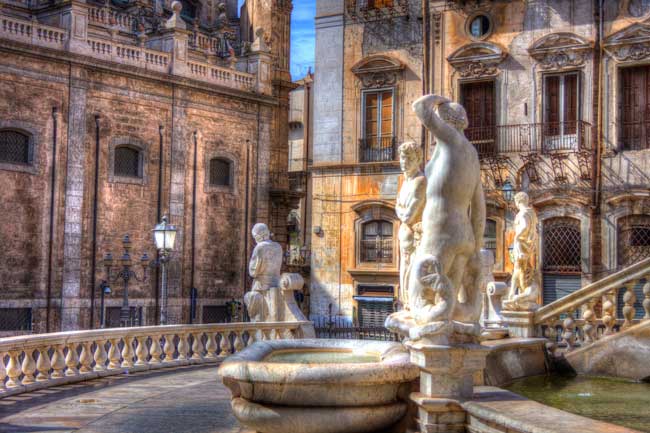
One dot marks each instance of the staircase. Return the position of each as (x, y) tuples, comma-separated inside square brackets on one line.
[(586, 326)]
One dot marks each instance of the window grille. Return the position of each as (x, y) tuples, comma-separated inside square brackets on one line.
[(377, 242), (113, 316), (14, 147), (215, 314), (127, 162), (633, 239), (374, 313), (490, 237), (562, 246), (15, 319), (219, 172)]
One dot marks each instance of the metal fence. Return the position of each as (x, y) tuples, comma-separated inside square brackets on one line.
[(339, 327)]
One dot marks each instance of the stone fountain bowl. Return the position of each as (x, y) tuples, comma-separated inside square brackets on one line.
[(319, 385)]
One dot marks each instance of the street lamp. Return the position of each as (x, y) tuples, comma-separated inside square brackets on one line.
[(508, 191), (164, 236), (104, 289), (125, 274)]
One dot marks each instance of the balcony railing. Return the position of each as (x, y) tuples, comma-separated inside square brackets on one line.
[(530, 138), (377, 149), (369, 10)]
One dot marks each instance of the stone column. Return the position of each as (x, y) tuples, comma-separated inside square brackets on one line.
[(74, 191), (446, 379)]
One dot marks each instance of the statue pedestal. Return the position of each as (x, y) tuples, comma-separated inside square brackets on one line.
[(446, 378), (520, 323)]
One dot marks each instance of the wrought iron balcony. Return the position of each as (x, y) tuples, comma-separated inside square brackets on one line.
[(531, 138), (377, 149), (374, 10)]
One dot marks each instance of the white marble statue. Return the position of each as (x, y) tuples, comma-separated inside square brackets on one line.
[(409, 207), (453, 221), (265, 267), (524, 286)]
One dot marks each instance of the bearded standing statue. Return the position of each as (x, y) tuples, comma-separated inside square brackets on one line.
[(409, 207), (524, 286), (453, 220), (265, 267)]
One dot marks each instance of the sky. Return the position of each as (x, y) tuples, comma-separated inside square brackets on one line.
[(302, 37)]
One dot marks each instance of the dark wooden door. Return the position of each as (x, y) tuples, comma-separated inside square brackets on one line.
[(634, 108), (478, 100)]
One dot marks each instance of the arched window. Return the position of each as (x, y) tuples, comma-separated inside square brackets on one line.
[(128, 162), (633, 239), (189, 10), (561, 254), (377, 241), (14, 147), (220, 172)]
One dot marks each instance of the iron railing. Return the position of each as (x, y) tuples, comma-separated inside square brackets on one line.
[(377, 149), (530, 138), (337, 327), (367, 10)]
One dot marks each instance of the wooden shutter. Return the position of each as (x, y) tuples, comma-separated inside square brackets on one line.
[(478, 100), (371, 131), (552, 105), (634, 108), (387, 114), (570, 115), (374, 313)]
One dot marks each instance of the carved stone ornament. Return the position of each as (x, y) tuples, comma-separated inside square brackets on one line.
[(630, 44), (478, 59), (559, 51), (378, 71)]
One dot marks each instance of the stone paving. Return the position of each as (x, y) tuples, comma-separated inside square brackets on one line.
[(182, 400)]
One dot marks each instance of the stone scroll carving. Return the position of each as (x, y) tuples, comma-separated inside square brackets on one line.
[(558, 51), (629, 44), (445, 278), (524, 286), (271, 297), (478, 59)]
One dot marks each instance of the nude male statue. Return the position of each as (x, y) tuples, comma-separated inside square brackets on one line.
[(265, 267), (453, 220), (409, 207)]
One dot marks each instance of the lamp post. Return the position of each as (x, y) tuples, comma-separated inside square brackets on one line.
[(164, 236), (104, 289), (125, 273), (508, 191)]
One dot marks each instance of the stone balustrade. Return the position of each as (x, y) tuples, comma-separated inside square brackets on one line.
[(39, 361), (219, 75), (128, 54), (591, 313), (32, 33), (106, 17)]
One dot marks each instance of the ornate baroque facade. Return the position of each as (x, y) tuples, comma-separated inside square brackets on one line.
[(557, 95), (116, 112)]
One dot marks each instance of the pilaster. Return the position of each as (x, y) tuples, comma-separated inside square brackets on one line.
[(520, 323), (75, 19)]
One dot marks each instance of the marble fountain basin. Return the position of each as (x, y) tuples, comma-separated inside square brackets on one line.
[(319, 385)]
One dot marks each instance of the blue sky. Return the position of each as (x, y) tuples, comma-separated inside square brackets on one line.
[(302, 37)]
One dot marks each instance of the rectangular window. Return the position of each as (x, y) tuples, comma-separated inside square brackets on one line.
[(215, 314), (561, 94), (378, 4), (15, 319), (634, 108), (478, 100), (113, 316), (378, 140)]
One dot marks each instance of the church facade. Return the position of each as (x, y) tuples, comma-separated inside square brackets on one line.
[(556, 95), (115, 113)]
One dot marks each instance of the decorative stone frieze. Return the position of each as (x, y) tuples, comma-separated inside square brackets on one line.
[(630, 44), (378, 71), (558, 51), (478, 59)]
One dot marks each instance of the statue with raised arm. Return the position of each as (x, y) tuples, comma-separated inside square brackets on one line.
[(409, 207), (524, 286), (265, 267), (453, 221)]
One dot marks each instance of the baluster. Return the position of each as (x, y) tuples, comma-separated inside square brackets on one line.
[(589, 329), (568, 334), (266, 334), (252, 337), (608, 316), (86, 358), (224, 344), (100, 355), (114, 354), (43, 365), (72, 360), (3, 371), (58, 362), (183, 347), (155, 350), (28, 367), (169, 348), (211, 346), (628, 310), (646, 300), (197, 346), (13, 370), (127, 352), (239, 342), (142, 351)]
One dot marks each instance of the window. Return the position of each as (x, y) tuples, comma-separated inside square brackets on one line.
[(189, 10), (560, 111), (113, 316), (634, 114), (215, 314), (15, 319), (377, 242), (220, 172), (378, 140), (128, 162), (14, 147), (490, 237), (633, 239), (478, 100), (373, 314), (378, 4), (479, 26), (561, 247)]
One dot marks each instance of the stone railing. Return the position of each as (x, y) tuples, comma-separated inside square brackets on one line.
[(590, 313), (219, 75), (105, 17), (39, 361), (32, 32), (128, 54)]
